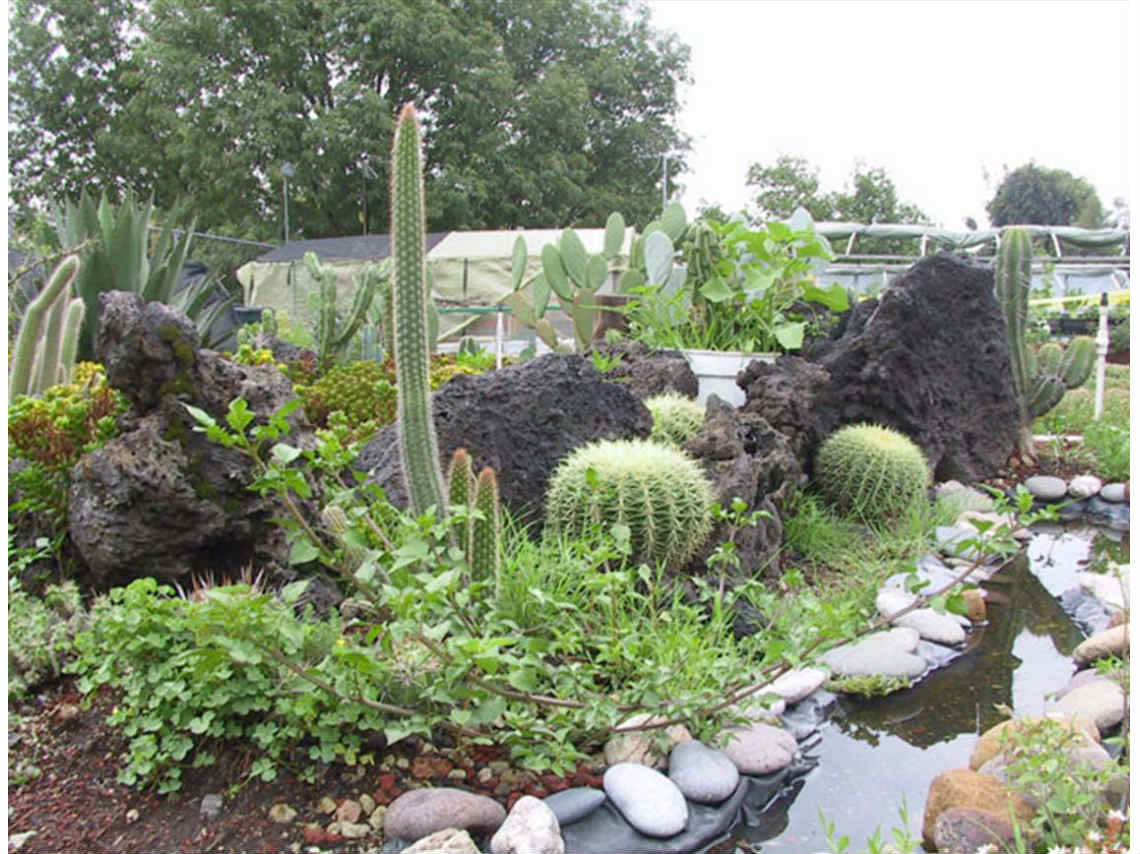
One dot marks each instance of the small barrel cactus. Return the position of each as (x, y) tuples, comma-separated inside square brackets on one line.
[(870, 471), (659, 492), (676, 418)]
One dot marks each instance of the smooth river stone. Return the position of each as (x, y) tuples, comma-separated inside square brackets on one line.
[(1100, 701), (570, 805), (889, 654), (1111, 587), (1085, 486), (930, 625), (1112, 641), (647, 799), (703, 774), (760, 748), (795, 685), (530, 828), (421, 812), (1046, 487), (1114, 493)]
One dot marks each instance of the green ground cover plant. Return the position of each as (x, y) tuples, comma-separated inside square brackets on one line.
[(1106, 446)]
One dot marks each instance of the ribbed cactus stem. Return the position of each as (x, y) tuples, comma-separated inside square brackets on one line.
[(484, 555), (30, 347), (460, 479), (1078, 361), (419, 449), (1012, 282)]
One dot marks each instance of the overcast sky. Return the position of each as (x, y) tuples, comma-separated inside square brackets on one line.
[(937, 93)]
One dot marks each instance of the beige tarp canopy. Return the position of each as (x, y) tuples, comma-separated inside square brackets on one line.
[(468, 268)]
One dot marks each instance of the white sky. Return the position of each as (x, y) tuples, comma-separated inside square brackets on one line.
[(934, 92)]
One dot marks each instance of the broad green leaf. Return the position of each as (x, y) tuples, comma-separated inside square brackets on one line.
[(489, 710), (291, 592), (303, 551), (834, 297), (715, 290), (285, 454), (790, 335)]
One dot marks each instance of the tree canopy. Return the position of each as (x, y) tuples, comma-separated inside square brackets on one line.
[(792, 182), (537, 113), (1033, 195)]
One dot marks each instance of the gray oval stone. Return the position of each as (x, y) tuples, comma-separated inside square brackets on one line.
[(570, 805), (1100, 701), (421, 812), (760, 748), (648, 800), (703, 774), (530, 828), (1113, 493), (889, 653), (1046, 487)]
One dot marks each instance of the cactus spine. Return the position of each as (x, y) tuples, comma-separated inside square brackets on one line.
[(871, 471), (44, 356), (480, 537), (1039, 380), (419, 448)]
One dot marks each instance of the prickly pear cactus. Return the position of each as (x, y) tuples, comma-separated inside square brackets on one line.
[(871, 472)]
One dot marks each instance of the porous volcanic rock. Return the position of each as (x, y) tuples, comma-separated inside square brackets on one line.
[(929, 358), (160, 499), (647, 372), (520, 421)]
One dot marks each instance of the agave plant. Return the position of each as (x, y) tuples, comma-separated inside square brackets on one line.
[(122, 259)]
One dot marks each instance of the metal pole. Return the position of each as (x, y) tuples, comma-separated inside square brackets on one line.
[(498, 339), (285, 195), (664, 180), (1101, 356)]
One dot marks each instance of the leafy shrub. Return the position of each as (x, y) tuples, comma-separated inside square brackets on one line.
[(676, 418), (247, 354), (40, 629), (52, 432), (661, 493), (870, 471)]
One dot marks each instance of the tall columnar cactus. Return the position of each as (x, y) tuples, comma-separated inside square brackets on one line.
[(1039, 381), (48, 339), (331, 338), (660, 492), (419, 448), (483, 554)]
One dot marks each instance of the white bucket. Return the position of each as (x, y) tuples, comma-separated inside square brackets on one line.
[(716, 372)]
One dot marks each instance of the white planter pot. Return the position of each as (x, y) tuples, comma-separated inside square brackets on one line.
[(716, 372)]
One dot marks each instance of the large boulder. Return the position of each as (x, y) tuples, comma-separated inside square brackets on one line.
[(929, 358), (520, 421), (161, 499)]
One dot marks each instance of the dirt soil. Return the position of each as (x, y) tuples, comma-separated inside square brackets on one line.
[(73, 803)]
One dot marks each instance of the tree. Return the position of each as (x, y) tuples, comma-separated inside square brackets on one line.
[(536, 112), (1032, 195), (793, 182)]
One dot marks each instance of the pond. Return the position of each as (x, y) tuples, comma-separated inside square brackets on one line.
[(870, 756)]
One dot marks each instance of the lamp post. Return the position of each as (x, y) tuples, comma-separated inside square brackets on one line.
[(288, 170), (664, 180)]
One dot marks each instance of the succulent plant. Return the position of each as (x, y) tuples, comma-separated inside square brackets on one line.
[(418, 445), (333, 337), (480, 539), (871, 471), (48, 339), (676, 418), (659, 492), (1039, 380)]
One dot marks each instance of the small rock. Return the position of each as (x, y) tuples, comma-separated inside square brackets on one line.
[(1114, 493), (450, 840), (1085, 486), (760, 748), (348, 810), (282, 813), (353, 830), (952, 540), (376, 817), (571, 805), (640, 745), (531, 827), (367, 804), (889, 654), (421, 812), (327, 805), (975, 604), (314, 834), (648, 800), (132, 816), (940, 628), (795, 685), (969, 829), (457, 774), (703, 775), (211, 807), (1112, 641), (16, 841), (1046, 487)]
